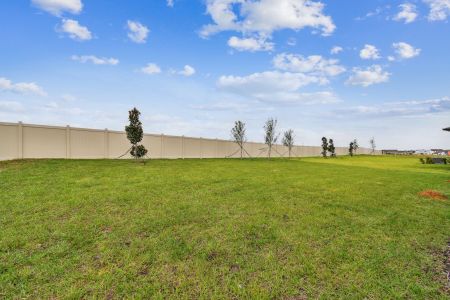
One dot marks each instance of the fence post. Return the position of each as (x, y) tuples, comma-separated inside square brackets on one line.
[(217, 148), (182, 147), (106, 141), (68, 146), (20, 140), (162, 145)]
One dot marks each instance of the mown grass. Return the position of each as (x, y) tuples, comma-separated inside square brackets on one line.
[(348, 228)]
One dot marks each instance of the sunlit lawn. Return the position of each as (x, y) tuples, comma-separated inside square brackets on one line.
[(348, 228)]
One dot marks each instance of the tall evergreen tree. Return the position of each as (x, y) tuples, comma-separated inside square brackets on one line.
[(324, 147), (351, 148), (355, 145), (135, 134), (288, 140), (331, 148)]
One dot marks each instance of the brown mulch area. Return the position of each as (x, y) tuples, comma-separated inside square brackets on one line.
[(433, 195)]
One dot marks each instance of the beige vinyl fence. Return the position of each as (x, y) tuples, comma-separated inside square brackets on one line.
[(19, 141)]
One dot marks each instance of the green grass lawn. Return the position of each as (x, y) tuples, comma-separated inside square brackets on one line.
[(348, 228)]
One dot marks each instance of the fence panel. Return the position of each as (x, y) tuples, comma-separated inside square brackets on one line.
[(9, 141), (44, 142), (19, 140)]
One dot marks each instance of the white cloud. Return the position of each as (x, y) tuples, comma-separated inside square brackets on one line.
[(138, 32), (223, 106), (151, 69), (68, 98), (21, 87), (408, 13), (95, 60), (291, 42), (314, 64), (275, 86), (187, 71), (250, 44), (324, 97), (405, 51), (378, 12), (75, 30), (58, 7), (402, 108), (170, 3), (369, 76), (439, 9), (265, 82), (336, 50), (369, 52), (11, 106), (262, 18)]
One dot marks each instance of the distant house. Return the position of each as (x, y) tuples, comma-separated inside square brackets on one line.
[(440, 151), (397, 152), (424, 152)]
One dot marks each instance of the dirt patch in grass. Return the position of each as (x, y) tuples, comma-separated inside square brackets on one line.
[(433, 195), (234, 268)]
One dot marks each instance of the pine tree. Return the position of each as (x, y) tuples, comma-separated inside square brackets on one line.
[(331, 148), (324, 147), (355, 145), (135, 134)]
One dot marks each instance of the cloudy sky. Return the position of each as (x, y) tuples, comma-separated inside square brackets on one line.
[(342, 69)]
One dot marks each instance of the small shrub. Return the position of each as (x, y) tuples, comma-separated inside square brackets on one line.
[(429, 161), (422, 160)]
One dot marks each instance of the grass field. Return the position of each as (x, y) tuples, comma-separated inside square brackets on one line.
[(348, 228)]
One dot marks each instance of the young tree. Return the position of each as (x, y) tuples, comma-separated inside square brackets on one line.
[(238, 134), (373, 146), (135, 133), (288, 140), (355, 145), (331, 148), (271, 135), (324, 147), (351, 148)]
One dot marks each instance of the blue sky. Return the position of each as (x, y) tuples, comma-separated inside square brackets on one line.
[(342, 69)]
